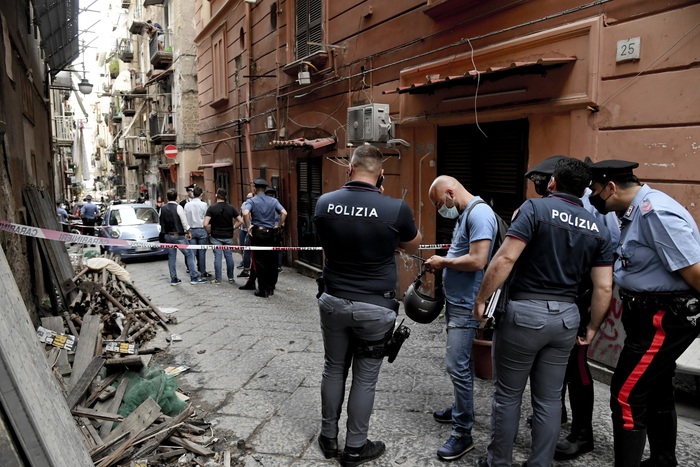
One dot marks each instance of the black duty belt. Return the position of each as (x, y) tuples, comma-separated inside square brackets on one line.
[(657, 295), (264, 229), (379, 300), (541, 296)]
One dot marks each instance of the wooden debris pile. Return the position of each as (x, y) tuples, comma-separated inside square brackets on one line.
[(91, 350)]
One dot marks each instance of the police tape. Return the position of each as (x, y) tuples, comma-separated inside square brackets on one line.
[(48, 234)]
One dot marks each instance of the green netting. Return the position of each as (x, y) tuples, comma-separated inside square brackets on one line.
[(151, 382)]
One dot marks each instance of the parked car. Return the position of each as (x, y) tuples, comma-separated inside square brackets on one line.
[(137, 222)]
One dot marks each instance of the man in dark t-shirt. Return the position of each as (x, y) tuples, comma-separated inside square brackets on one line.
[(220, 220), (360, 231)]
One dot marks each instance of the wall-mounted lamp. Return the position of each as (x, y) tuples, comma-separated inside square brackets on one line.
[(142, 136), (84, 85)]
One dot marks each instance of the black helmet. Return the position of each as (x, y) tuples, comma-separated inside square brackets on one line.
[(422, 308)]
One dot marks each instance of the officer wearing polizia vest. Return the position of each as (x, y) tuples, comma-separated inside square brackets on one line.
[(551, 245), (360, 230), (658, 271)]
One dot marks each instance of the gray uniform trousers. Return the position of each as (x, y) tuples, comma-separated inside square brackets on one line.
[(533, 339), (340, 320)]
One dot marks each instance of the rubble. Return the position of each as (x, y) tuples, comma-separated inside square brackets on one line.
[(95, 352)]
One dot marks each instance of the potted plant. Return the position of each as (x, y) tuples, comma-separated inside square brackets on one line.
[(114, 68)]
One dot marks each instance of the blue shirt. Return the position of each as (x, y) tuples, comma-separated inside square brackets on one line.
[(563, 242), (263, 210), (89, 210), (461, 286), (658, 237), (63, 214)]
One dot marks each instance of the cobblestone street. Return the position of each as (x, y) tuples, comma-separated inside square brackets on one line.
[(255, 372)]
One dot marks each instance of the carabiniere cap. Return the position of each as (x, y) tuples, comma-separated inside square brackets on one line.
[(612, 169), (260, 182)]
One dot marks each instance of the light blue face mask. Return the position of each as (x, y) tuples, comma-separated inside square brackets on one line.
[(448, 213)]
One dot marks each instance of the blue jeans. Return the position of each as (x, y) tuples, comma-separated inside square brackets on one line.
[(244, 240), (172, 257), (341, 321), (461, 330), (200, 237), (217, 257)]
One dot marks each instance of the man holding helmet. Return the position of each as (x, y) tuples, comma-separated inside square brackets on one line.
[(462, 270), (360, 231)]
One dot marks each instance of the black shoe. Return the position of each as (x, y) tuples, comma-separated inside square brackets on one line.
[(356, 456), (206, 274), (443, 416), (244, 273), (329, 446), (573, 446), (455, 447), (481, 462), (261, 293), (247, 286)]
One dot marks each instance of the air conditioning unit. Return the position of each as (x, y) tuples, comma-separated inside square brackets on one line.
[(369, 124)]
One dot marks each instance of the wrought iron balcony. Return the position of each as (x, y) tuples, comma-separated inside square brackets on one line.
[(63, 130), (161, 50), (126, 50)]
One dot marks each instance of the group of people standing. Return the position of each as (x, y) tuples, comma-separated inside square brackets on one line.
[(193, 222), (560, 258)]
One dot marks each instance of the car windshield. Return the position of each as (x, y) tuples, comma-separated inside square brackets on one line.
[(133, 216)]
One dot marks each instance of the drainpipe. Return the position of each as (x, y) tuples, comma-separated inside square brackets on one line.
[(420, 192), (249, 90)]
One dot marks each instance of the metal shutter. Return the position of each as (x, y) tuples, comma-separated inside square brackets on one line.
[(308, 192)]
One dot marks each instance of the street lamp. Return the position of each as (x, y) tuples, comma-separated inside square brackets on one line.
[(84, 85)]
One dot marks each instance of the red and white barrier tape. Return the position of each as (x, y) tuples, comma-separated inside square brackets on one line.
[(36, 232)]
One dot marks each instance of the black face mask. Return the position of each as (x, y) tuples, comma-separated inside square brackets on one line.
[(541, 188), (599, 203)]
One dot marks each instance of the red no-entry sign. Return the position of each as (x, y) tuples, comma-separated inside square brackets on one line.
[(170, 151)]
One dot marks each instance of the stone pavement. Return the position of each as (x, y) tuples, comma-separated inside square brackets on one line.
[(255, 373)]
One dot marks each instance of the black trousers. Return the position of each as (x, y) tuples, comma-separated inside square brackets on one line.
[(643, 380), (579, 382), (265, 262)]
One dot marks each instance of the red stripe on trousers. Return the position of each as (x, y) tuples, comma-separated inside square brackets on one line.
[(633, 378)]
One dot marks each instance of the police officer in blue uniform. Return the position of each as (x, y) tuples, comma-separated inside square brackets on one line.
[(360, 231), (658, 271), (263, 216), (551, 245)]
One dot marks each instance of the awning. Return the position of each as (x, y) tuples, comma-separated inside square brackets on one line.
[(490, 73), (169, 169), (302, 143), (215, 165), (58, 24)]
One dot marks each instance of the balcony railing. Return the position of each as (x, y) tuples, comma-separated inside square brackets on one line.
[(161, 50), (162, 127), (126, 50), (63, 130)]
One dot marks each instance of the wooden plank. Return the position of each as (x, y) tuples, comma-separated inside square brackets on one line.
[(86, 346), (96, 414), (168, 429), (32, 401), (55, 323), (195, 448), (94, 435), (81, 386), (104, 385), (137, 421), (114, 406)]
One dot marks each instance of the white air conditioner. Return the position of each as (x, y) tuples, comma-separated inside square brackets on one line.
[(369, 123)]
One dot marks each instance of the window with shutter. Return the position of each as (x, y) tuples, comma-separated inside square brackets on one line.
[(493, 167), (308, 192), (309, 27), (218, 67)]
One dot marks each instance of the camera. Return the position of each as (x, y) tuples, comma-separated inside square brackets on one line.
[(392, 347)]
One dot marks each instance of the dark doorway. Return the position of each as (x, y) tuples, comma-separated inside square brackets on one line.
[(309, 190), (492, 167)]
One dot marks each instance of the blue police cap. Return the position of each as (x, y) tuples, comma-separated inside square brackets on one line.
[(613, 169), (260, 182), (546, 166)]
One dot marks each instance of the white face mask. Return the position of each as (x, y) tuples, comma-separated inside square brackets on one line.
[(448, 213)]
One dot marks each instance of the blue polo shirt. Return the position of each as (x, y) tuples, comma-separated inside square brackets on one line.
[(89, 210), (263, 210), (461, 286), (658, 237), (564, 241)]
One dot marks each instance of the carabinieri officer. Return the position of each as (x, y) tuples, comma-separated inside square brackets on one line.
[(658, 271)]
